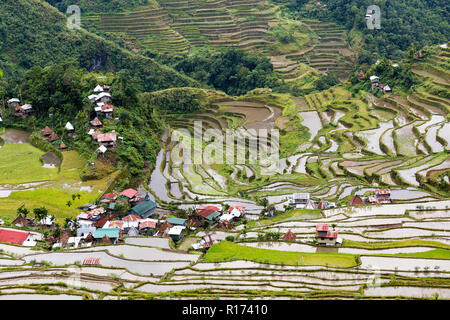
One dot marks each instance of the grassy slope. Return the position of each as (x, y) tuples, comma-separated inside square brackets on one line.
[(55, 194), (44, 38), (19, 163), (226, 251)]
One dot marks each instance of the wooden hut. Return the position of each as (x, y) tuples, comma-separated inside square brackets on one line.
[(46, 131), (106, 239), (53, 137)]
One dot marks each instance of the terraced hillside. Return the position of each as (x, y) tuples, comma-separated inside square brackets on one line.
[(176, 27), (332, 52)]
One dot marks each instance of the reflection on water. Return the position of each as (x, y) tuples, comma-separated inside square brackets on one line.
[(12, 136)]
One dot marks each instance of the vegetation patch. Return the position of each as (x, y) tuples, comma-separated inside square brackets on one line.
[(227, 251)]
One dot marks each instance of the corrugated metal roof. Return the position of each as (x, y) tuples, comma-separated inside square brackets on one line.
[(176, 221), (109, 232), (322, 227), (14, 237)]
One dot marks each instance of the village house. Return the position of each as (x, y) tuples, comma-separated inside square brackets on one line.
[(104, 97), (53, 137), (105, 110), (301, 201), (69, 127), (107, 139), (209, 213), (22, 238), (131, 231), (356, 201), (46, 132), (24, 110), (234, 213), (96, 123), (108, 235), (323, 204), (206, 242), (47, 221), (85, 230), (325, 236), (177, 233), (176, 221), (108, 197), (374, 79), (128, 194), (144, 209), (21, 221), (114, 224), (13, 103), (98, 89), (147, 226), (131, 220)]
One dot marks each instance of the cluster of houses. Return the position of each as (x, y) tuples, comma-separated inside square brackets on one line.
[(381, 196), (19, 110), (304, 201), (375, 82), (101, 98)]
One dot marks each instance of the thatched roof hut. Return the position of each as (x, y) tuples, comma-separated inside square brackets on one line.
[(89, 238), (96, 122), (62, 146), (106, 239), (64, 237), (53, 137), (20, 221), (46, 131)]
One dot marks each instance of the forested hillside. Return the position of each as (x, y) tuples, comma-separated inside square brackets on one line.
[(34, 33), (98, 5), (404, 23)]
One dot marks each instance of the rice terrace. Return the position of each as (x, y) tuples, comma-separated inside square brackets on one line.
[(99, 199)]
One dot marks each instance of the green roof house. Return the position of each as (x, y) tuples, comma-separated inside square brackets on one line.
[(177, 221), (144, 209), (112, 233)]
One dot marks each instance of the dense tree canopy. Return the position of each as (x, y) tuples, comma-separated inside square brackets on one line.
[(233, 71)]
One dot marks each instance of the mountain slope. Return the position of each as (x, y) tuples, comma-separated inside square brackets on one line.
[(36, 34)]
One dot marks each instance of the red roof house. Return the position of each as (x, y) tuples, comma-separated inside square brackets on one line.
[(109, 196), (13, 237), (131, 217), (100, 223), (206, 211), (324, 235), (129, 193), (147, 224)]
